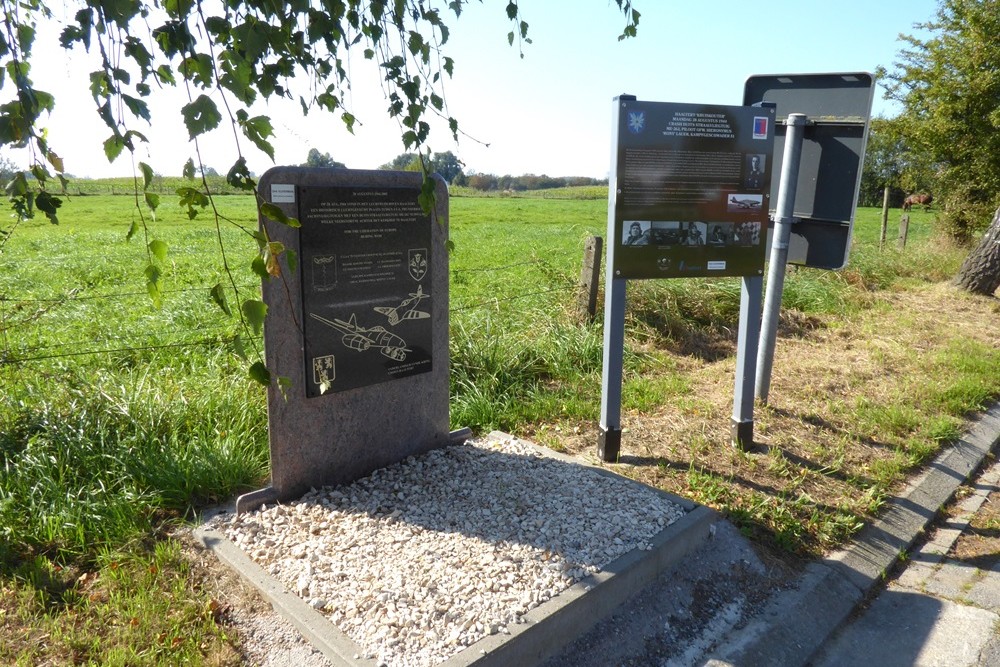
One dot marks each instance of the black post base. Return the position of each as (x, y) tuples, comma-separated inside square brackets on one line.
[(609, 444), (741, 434)]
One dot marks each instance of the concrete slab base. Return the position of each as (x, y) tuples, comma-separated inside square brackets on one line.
[(546, 629)]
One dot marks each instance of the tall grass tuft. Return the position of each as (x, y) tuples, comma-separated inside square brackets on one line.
[(95, 460)]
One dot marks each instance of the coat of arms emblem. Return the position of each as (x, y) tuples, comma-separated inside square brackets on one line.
[(417, 263)]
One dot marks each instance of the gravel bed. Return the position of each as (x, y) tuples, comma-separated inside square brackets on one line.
[(425, 557)]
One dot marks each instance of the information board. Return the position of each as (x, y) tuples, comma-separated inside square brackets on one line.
[(365, 300), (691, 191)]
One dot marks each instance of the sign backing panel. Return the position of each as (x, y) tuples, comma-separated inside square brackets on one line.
[(838, 107)]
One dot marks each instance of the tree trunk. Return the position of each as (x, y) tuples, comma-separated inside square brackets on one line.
[(980, 272)]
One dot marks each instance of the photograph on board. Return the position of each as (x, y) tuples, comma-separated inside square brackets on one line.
[(637, 232), (744, 203), (754, 179)]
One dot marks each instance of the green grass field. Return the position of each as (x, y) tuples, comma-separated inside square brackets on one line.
[(118, 416)]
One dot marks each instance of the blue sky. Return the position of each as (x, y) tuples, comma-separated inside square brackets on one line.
[(548, 112)]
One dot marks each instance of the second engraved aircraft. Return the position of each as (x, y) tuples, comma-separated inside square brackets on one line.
[(407, 310), (359, 338)]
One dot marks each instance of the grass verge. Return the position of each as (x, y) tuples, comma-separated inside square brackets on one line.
[(119, 418)]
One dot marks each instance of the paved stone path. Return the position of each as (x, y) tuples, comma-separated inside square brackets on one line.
[(938, 611)]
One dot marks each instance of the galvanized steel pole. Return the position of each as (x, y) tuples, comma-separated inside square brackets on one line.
[(741, 429), (783, 219)]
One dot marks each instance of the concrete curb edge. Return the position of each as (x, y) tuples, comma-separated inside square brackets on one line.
[(793, 627)]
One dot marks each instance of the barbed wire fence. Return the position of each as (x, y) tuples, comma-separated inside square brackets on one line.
[(38, 328)]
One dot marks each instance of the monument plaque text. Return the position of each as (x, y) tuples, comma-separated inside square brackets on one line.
[(366, 298)]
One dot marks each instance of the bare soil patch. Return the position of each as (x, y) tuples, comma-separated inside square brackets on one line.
[(979, 544), (847, 419)]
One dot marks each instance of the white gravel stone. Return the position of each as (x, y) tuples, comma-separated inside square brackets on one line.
[(425, 557)]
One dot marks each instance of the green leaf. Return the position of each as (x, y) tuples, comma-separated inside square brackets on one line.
[(349, 121), (427, 196), (292, 258), (260, 374), (48, 205), (138, 107), (255, 311), (219, 297), (415, 42), (275, 213), (238, 76), (132, 230), (165, 75), (272, 251), (188, 171), (218, 26), (259, 267), (132, 134), (239, 176), (113, 147), (158, 249), (198, 68), (152, 200), (238, 347), (147, 174), (257, 130), (40, 173), (154, 285), (192, 197), (201, 116), (174, 38), (18, 185), (55, 161)]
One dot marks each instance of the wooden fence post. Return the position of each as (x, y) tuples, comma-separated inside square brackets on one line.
[(885, 217), (904, 228), (590, 276)]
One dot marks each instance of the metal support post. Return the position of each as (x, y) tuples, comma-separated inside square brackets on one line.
[(741, 432), (610, 437), (783, 220)]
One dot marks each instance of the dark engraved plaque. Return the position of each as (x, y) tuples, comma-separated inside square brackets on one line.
[(366, 297)]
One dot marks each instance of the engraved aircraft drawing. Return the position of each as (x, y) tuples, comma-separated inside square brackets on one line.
[(361, 339), (407, 310)]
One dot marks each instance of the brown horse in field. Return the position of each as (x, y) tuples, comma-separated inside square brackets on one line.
[(918, 199)]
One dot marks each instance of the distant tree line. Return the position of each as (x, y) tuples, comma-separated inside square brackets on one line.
[(487, 182), (452, 169)]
